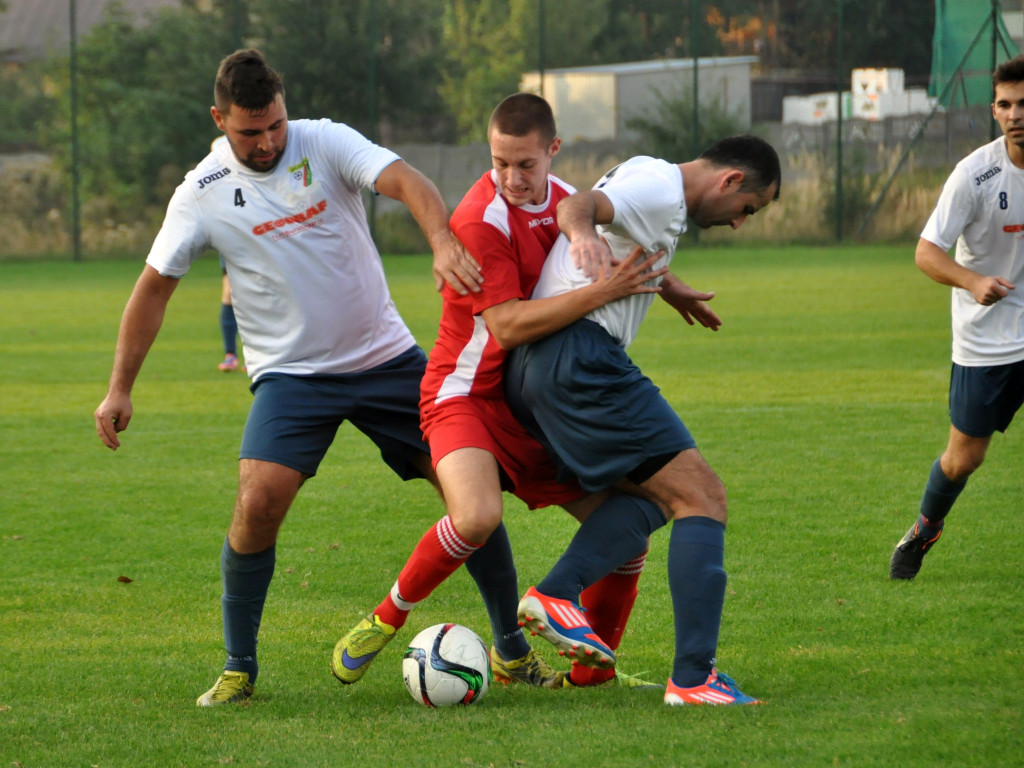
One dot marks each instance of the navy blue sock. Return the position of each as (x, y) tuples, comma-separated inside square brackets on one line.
[(494, 572), (246, 581), (614, 534), (696, 579), (228, 328), (939, 496)]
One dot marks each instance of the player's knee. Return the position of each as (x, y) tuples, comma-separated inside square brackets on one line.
[(476, 524), (959, 468), (961, 463), (700, 502)]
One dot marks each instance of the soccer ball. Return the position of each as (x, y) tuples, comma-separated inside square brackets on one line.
[(446, 664)]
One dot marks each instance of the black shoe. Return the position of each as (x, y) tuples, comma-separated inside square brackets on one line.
[(909, 553)]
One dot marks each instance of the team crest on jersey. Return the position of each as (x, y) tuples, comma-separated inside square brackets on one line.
[(301, 172)]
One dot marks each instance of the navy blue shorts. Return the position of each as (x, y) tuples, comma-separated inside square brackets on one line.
[(984, 399), (581, 396), (293, 419)]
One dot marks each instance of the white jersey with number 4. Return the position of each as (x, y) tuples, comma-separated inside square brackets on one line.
[(981, 209), (307, 283), (650, 210)]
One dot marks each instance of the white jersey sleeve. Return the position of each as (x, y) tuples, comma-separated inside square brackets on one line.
[(956, 208), (981, 210), (182, 237), (354, 158)]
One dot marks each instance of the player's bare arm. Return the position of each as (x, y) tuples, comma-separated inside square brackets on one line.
[(943, 268), (140, 323), (452, 263), (514, 322), (578, 217), (689, 302)]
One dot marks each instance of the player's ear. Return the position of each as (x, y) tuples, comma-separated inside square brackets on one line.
[(218, 118), (556, 144), (731, 180)]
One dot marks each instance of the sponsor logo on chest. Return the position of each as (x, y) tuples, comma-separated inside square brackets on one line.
[(302, 220)]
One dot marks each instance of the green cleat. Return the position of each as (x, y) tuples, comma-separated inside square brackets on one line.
[(354, 652), (229, 688), (621, 680), (531, 669)]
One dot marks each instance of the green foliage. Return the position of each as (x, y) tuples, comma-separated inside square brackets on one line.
[(876, 33), (668, 131), (484, 58), (27, 107), (638, 30), (476, 76), (393, 43), (578, 21), (144, 99), (820, 402)]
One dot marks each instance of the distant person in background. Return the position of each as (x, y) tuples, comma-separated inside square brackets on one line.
[(228, 325), (981, 211)]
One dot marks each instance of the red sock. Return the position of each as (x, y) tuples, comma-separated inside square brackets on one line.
[(438, 555), (609, 603)]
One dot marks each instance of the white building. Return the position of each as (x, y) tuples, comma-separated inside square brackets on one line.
[(593, 103), (874, 94)]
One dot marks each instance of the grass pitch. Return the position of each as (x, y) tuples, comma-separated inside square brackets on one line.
[(820, 402)]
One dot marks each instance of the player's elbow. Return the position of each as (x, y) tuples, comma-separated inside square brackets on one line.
[(925, 253), (508, 340)]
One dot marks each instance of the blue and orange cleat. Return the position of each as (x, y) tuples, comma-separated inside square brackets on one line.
[(230, 363), (562, 623), (718, 690)]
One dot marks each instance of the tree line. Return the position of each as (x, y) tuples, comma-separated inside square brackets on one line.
[(397, 70)]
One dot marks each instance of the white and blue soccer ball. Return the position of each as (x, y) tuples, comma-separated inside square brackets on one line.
[(445, 665)]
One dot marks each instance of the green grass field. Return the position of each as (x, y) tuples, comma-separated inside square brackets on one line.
[(821, 403)]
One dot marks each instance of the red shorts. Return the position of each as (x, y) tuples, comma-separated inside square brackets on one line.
[(469, 422)]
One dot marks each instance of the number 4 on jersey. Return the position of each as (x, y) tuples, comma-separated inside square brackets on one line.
[(239, 200)]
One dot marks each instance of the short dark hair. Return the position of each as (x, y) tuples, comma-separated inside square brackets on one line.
[(1011, 71), (751, 154), (244, 78), (521, 114)]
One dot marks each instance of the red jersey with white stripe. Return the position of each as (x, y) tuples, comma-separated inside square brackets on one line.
[(510, 243)]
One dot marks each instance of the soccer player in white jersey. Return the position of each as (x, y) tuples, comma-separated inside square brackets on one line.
[(606, 422), (323, 341), (981, 211)]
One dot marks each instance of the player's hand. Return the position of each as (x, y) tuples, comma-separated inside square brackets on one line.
[(454, 265), (690, 303), (112, 416), (988, 290), (631, 275), (592, 256)]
